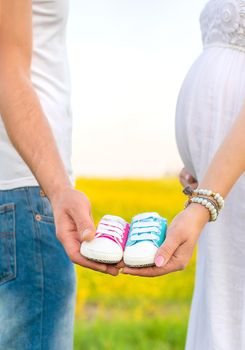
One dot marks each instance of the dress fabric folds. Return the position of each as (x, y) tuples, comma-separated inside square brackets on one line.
[(209, 102)]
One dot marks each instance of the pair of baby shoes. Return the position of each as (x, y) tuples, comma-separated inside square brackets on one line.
[(135, 243)]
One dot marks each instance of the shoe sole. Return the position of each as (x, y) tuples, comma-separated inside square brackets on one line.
[(104, 261), (137, 263), (94, 256), (140, 266)]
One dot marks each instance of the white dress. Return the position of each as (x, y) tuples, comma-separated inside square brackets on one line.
[(210, 100)]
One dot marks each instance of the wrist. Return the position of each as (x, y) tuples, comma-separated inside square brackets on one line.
[(198, 213), (57, 190)]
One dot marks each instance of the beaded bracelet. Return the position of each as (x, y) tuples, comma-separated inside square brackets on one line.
[(214, 202), (207, 203), (209, 193)]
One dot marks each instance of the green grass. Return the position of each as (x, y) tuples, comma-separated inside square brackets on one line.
[(157, 333), (126, 312)]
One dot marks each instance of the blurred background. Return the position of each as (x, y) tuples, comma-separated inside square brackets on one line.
[(128, 59)]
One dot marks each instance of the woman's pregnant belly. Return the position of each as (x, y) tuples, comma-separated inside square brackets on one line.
[(210, 99)]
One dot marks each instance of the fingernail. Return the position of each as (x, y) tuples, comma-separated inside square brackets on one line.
[(187, 177), (86, 233), (159, 261)]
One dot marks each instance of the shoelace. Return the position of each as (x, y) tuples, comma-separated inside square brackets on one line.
[(145, 231), (145, 227), (112, 227)]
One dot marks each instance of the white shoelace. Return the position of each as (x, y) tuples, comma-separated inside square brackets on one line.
[(111, 226), (145, 230)]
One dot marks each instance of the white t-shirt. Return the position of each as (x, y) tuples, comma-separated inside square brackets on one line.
[(50, 77)]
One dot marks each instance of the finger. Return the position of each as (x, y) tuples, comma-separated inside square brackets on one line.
[(84, 222), (194, 184), (182, 177), (120, 265), (77, 258), (173, 265), (99, 267), (154, 271), (112, 270), (186, 178), (182, 180), (141, 272), (192, 180), (167, 249), (72, 248)]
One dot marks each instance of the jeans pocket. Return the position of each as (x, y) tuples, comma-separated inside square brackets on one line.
[(7, 243)]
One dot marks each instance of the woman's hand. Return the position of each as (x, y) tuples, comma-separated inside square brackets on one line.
[(177, 249), (186, 179)]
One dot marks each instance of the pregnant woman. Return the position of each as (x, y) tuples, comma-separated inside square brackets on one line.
[(210, 101), (210, 130)]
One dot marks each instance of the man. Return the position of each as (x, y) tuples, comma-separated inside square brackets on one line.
[(37, 279)]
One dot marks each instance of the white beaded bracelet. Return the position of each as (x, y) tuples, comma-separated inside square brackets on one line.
[(214, 212), (214, 202), (209, 193)]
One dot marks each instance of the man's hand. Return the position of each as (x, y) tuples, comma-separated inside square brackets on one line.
[(74, 224), (176, 251), (186, 179)]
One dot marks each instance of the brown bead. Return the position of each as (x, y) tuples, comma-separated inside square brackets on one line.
[(188, 191)]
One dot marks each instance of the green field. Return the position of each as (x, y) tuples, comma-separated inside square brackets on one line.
[(126, 312)]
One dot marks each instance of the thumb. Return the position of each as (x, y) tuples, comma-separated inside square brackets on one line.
[(166, 251), (84, 223)]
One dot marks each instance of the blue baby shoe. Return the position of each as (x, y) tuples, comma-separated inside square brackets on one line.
[(146, 235)]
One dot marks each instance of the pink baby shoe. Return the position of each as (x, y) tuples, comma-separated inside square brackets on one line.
[(109, 242)]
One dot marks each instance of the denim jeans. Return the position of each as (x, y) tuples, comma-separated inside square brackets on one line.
[(37, 279)]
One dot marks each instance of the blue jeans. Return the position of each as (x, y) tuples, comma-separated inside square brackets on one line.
[(37, 279)]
